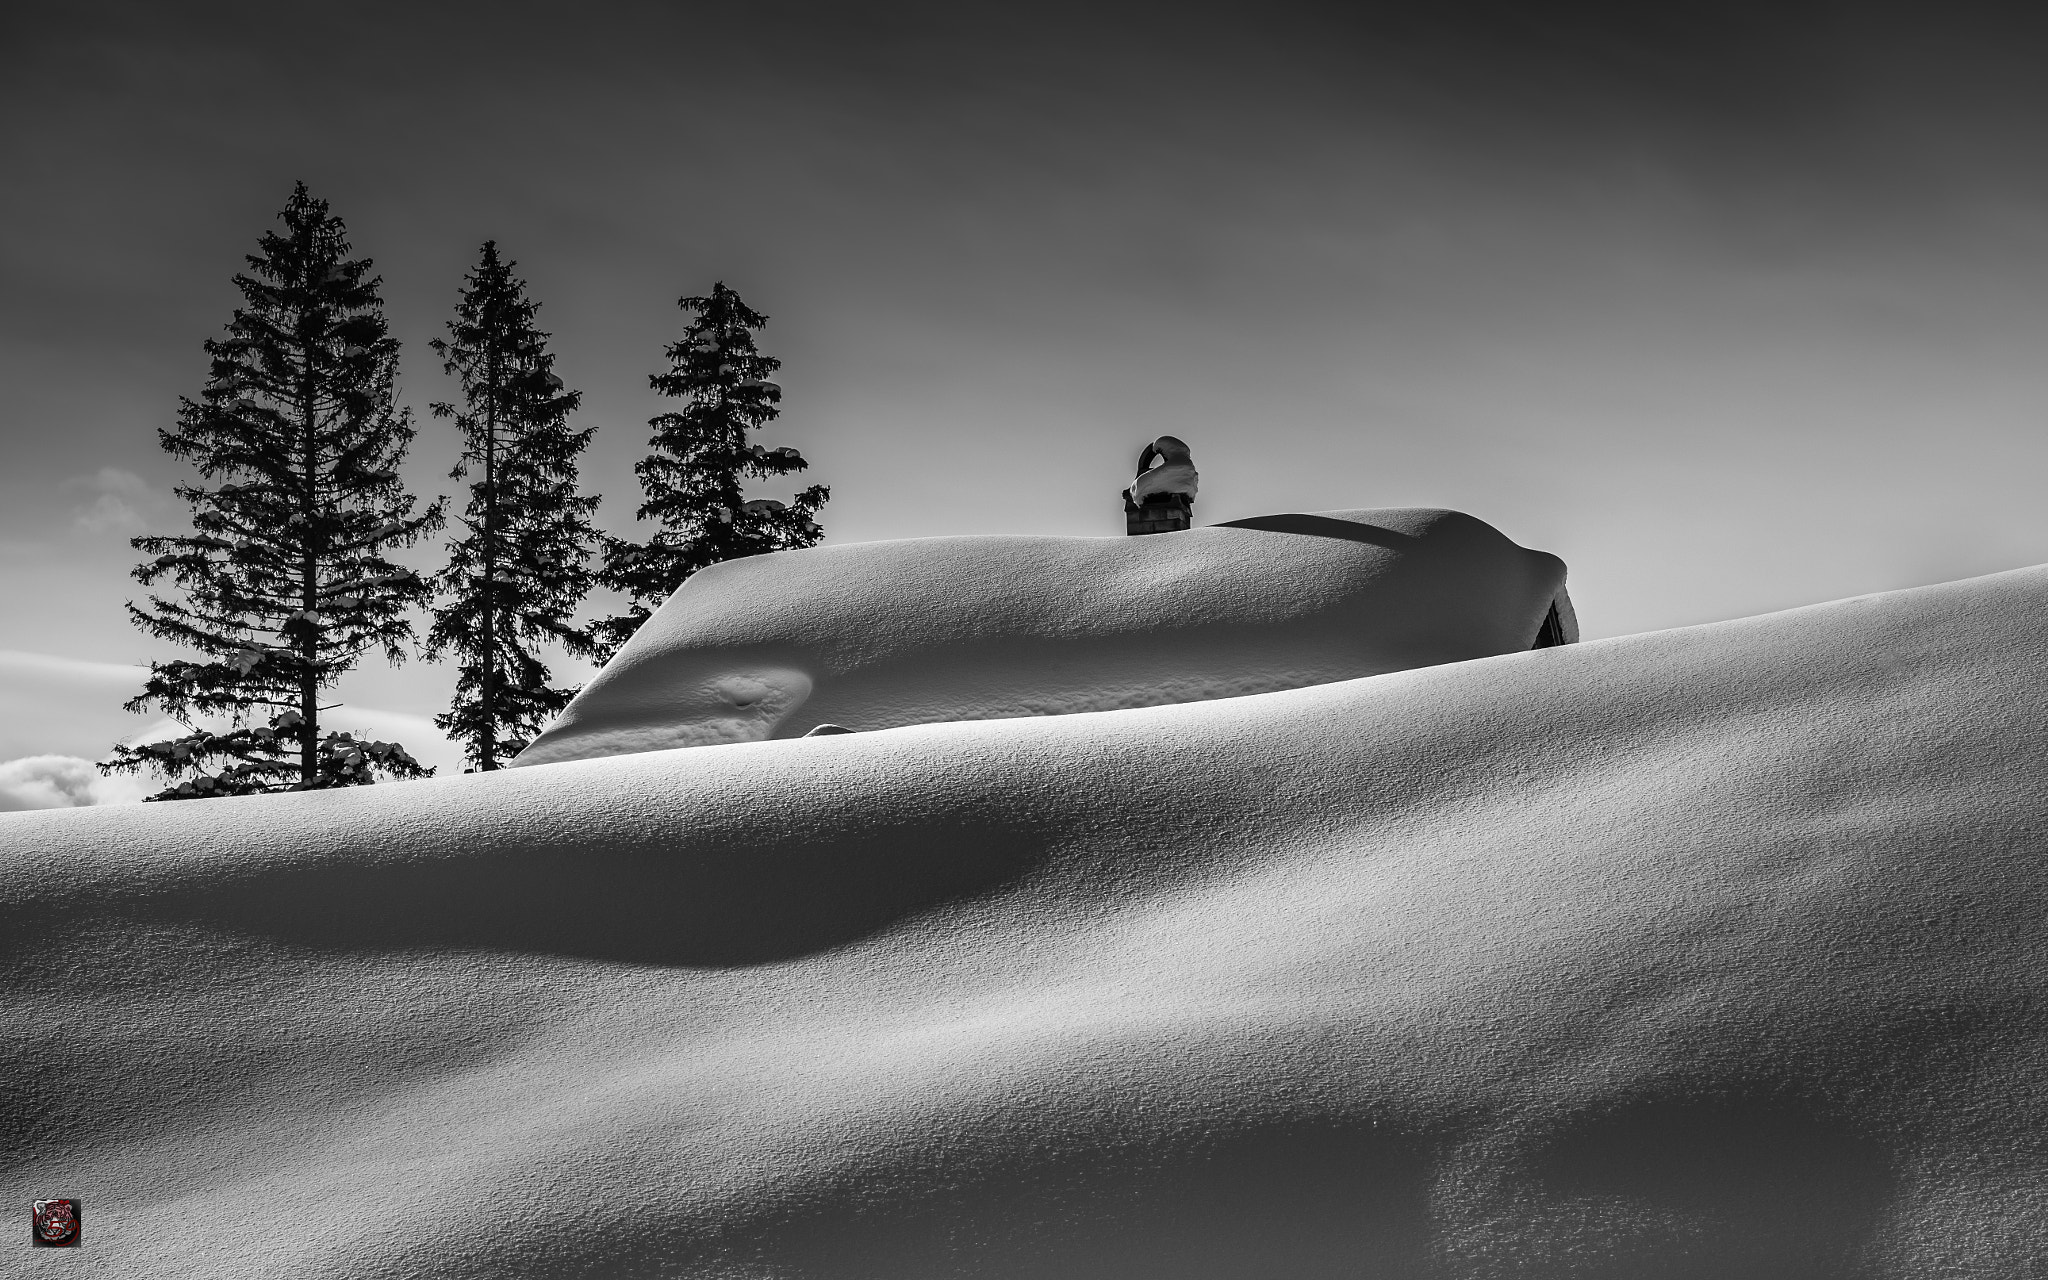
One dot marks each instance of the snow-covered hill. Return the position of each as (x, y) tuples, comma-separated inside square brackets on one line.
[(877, 635), (1706, 953)]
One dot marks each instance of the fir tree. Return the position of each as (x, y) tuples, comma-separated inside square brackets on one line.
[(285, 580), (701, 457), (518, 572)]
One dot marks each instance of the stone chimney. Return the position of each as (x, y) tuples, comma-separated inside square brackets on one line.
[(1160, 513)]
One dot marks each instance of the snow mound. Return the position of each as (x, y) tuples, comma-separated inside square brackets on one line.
[(878, 635), (1714, 952)]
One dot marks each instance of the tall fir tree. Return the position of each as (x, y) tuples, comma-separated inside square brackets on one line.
[(701, 459), (519, 570), (285, 580)]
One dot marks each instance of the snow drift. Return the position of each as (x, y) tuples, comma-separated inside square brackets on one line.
[(1706, 953), (877, 635)]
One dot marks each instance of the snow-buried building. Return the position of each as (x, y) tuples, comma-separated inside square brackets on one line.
[(885, 634)]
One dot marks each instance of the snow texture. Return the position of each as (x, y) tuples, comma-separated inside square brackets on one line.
[(1704, 953), (878, 635)]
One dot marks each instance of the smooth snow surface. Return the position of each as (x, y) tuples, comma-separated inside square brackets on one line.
[(1707, 953), (877, 635)]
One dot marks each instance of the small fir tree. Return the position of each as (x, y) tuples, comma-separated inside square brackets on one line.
[(518, 572), (284, 578), (701, 458)]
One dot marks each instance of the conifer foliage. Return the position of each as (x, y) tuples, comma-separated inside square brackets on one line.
[(519, 570), (285, 579), (701, 459)]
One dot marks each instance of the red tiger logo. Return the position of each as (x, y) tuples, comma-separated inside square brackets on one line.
[(56, 1222)]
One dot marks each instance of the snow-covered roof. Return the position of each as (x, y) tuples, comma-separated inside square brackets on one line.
[(882, 634)]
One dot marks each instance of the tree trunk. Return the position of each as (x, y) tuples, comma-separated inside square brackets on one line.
[(487, 681), (309, 580)]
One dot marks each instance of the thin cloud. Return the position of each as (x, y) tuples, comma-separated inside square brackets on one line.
[(59, 706), (47, 667), (120, 502), (61, 782)]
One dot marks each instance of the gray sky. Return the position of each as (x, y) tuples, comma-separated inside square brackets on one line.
[(1734, 307)]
